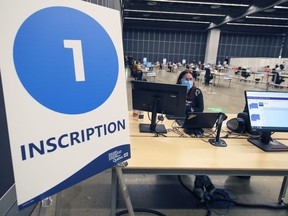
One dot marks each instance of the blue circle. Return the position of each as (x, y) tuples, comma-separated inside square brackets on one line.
[(46, 68)]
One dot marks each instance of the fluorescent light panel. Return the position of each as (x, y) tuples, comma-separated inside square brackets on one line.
[(166, 20), (280, 7), (262, 25), (271, 18), (206, 3), (169, 12)]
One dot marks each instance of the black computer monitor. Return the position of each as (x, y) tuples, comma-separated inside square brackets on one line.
[(161, 98), (268, 113)]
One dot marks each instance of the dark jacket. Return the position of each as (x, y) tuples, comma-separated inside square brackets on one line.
[(194, 102)]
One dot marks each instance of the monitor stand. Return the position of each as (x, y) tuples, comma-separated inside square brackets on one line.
[(153, 127), (266, 143), (146, 128)]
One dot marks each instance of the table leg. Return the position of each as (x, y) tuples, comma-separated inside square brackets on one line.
[(283, 190), (218, 80)]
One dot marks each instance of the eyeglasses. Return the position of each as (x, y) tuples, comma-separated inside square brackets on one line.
[(187, 79)]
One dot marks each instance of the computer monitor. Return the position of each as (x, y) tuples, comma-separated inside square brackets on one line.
[(158, 98), (268, 113), (149, 64)]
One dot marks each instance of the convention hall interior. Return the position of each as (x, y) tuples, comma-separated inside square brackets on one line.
[(244, 44)]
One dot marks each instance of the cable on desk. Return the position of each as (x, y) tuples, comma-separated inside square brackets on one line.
[(141, 210), (177, 131)]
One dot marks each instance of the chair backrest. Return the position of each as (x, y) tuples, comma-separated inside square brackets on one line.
[(194, 73), (277, 79), (274, 76), (207, 72), (244, 73)]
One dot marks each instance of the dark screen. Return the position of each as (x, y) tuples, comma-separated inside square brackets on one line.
[(170, 98)]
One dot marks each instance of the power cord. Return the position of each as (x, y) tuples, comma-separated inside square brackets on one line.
[(220, 199)]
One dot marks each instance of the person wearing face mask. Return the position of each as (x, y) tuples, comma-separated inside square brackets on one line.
[(194, 98), (195, 103)]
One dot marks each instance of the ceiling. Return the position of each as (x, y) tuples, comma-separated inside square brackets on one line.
[(251, 16)]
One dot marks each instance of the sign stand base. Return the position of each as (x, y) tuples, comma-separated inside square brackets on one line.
[(45, 204), (117, 177)]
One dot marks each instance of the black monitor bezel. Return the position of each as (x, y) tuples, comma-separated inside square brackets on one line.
[(180, 89), (146, 96)]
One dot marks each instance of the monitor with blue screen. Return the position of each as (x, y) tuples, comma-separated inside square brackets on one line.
[(268, 113)]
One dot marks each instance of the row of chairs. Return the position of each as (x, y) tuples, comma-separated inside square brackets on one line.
[(275, 78)]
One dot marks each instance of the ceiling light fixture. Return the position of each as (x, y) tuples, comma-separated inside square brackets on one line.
[(271, 18), (262, 25), (206, 3), (166, 20), (269, 10), (280, 7), (215, 6), (168, 12), (152, 3)]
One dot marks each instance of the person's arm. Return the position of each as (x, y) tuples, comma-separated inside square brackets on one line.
[(199, 102), (139, 68)]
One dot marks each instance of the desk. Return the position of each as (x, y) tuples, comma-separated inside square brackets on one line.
[(217, 74), (149, 75), (184, 156), (173, 155), (283, 75)]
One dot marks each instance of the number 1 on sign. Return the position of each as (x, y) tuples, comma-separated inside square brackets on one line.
[(76, 47)]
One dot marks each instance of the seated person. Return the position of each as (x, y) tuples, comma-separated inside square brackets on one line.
[(195, 103), (170, 67), (267, 69), (195, 74), (187, 68), (276, 77), (244, 73), (138, 74), (208, 76), (238, 71)]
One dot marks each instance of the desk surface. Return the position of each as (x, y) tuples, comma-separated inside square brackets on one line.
[(185, 154), (194, 154), (134, 128)]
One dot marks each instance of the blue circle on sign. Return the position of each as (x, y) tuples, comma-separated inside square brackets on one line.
[(65, 60)]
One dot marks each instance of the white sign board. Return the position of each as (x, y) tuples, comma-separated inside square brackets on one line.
[(65, 93)]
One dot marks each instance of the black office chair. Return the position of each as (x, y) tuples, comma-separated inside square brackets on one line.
[(276, 78), (195, 74), (244, 74), (208, 76)]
